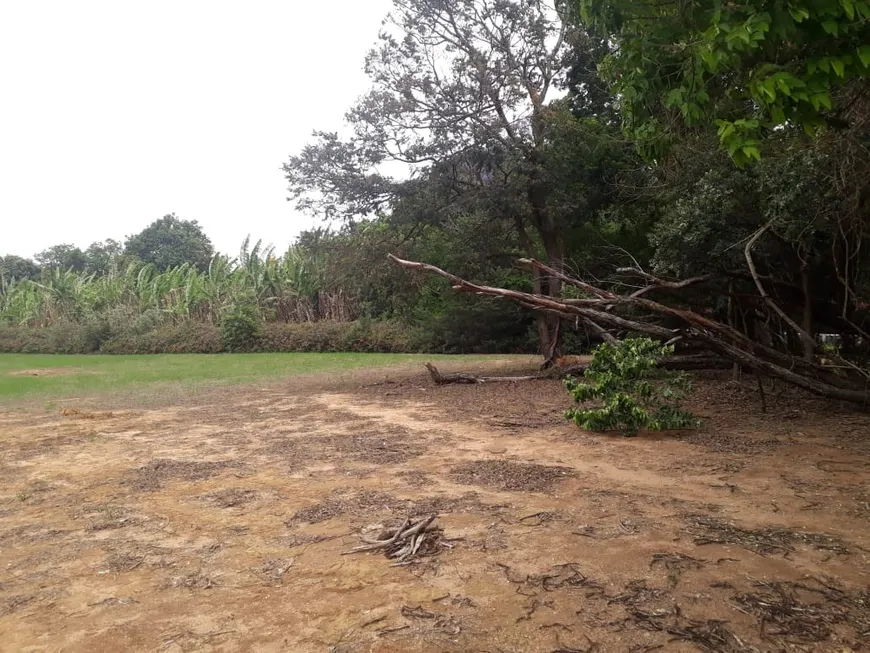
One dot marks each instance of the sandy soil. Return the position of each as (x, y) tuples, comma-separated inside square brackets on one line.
[(218, 523)]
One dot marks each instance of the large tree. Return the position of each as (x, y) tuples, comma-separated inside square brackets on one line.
[(462, 87), (170, 242), (14, 267), (63, 257), (103, 255)]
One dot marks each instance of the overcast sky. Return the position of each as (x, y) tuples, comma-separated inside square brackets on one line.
[(113, 114)]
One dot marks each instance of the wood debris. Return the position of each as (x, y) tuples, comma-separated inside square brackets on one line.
[(405, 544)]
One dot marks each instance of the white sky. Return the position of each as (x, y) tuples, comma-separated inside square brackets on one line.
[(114, 113)]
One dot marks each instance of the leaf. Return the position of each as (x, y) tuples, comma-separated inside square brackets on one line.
[(710, 60), (864, 55), (823, 99), (777, 115), (675, 97), (725, 129), (831, 26), (752, 152), (849, 8), (839, 67), (798, 13)]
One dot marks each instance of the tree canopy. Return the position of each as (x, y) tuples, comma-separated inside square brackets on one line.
[(170, 242), (742, 69)]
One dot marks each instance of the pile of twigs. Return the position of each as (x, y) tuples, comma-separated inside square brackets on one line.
[(411, 540)]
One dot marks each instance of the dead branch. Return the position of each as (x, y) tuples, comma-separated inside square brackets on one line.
[(406, 542), (693, 328), (443, 379), (806, 338), (659, 284)]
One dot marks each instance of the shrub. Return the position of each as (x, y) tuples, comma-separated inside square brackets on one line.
[(359, 336), (186, 337), (240, 328), (62, 339), (630, 392)]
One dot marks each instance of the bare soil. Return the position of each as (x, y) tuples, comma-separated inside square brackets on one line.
[(218, 523), (47, 371)]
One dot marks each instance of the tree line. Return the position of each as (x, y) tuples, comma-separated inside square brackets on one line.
[(609, 140)]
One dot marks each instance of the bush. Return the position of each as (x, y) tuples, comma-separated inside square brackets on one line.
[(63, 339), (240, 329), (359, 336), (632, 392), (186, 337)]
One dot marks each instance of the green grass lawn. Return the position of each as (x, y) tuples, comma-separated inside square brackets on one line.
[(86, 376)]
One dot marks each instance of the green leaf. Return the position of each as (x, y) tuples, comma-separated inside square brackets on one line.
[(849, 8), (831, 26), (777, 115), (864, 55), (710, 59), (798, 13), (839, 67), (675, 97), (752, 152), (822, 99)]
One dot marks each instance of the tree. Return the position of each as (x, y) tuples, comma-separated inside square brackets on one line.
[(101, 256), (742, 69), (170, 242), (461, 89), (62, 257), (17, 268)]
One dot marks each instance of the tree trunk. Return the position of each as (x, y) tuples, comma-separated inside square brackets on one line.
[(546, 341), (808, 345), (554, 247)]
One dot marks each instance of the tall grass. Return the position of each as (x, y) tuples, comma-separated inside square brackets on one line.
[(286, 288)]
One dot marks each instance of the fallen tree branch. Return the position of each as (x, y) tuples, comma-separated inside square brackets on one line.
[(659, 284), (721, 339), (461, 377), (806, 339)]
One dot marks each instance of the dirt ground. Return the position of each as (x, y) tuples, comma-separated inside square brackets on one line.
[(218, 523)]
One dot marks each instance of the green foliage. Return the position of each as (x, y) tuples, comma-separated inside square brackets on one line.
[(14, 268), (241, 326), (739, 68), (633, 393), (63, 257), (171, 242), (101, 257)]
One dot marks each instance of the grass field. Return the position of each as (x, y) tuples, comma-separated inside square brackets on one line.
[(36, 376)]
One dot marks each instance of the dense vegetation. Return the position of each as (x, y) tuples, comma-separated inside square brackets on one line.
[(683, 140)]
